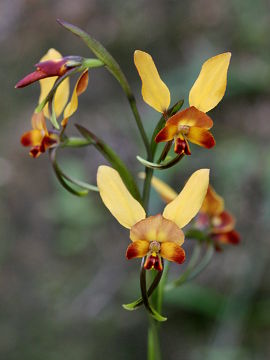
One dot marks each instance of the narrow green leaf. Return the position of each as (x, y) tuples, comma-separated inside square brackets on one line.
[(101, 53), (114, 160), (164, 165), (176, 107)]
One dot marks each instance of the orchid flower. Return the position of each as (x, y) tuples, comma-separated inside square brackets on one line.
[(158, 236), (191, 124)]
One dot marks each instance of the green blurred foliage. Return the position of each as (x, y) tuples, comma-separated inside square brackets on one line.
[(63, 271)]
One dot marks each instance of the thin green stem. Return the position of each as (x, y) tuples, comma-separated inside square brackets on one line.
[(160, 289), (153, 352), (138, 120), (193, 270), (147, 187)]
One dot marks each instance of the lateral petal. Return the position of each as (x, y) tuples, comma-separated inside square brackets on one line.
[(201, 137), (137, 249), (31, 138), (117, 198), (187, 204), (79, 88), (172, 252), (210, 86), (154, 91)]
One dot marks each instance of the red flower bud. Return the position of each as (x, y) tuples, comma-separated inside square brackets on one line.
[(50, 68)]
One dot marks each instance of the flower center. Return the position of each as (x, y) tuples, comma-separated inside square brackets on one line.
[(183, 129), (154, 247)]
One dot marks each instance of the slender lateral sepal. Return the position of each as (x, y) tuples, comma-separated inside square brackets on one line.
[(66, 179), (146, 303), (137, 303), (113, 158), (163, 166)]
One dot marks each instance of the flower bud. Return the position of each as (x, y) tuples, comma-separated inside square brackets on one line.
[(50, 68)]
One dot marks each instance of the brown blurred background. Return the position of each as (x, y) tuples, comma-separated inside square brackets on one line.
[(63, 273)]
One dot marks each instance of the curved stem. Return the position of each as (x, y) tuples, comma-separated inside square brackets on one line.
[(192, 270)]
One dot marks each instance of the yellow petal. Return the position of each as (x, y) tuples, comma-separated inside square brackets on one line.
[(117, 198), (210, 86), (187, 204), (154, 92), (62, 92), (79, 88)]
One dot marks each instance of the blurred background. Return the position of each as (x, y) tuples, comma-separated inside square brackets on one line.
[(63, 272)]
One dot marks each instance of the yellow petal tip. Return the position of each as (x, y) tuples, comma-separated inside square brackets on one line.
[(210, 86)]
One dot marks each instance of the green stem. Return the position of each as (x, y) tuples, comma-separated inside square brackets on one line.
[(160, 289), (147, 187), (132, 103), (153, 352)]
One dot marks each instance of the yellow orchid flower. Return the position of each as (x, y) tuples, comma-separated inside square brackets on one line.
[(158, 236), (51, 66), (191, 124), (212, 215)]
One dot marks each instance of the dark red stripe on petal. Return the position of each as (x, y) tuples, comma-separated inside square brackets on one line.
[(201, 137), (172, 252), (167, 133)]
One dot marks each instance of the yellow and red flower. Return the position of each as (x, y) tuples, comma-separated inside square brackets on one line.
[(191, 124), (51, 65), (219, 222), (158, 236), (212, 217), (39, 138)]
